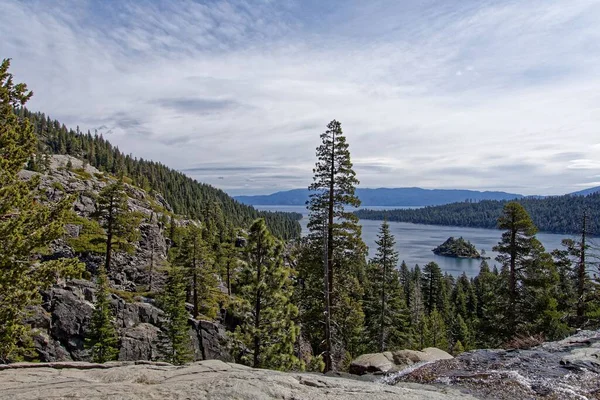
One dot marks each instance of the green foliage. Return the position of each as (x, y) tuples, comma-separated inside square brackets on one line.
[(174, 340), (267, 334), (102, 338), (58, 186), (91, 238), (27, 226), (81, 173), (437, 331)]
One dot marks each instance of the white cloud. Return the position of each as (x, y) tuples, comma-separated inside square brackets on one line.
[(251, 86)]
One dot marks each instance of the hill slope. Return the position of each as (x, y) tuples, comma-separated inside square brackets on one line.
[(187, 196), (585, 192), (385, 197)]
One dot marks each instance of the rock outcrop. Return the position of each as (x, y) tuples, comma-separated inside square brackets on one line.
[(202, 380), (391, 362), (567, 369), (62, 322)]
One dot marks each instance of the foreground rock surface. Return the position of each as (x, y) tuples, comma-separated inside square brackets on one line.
[(566, 369), (202, 380)]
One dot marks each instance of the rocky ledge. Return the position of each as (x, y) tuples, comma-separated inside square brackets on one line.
[(566, 369), (211, 379)]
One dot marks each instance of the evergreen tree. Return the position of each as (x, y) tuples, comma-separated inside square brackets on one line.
[(418, 321), (488, 307), (515, 250), (267, 330), (120, 225), (193, 255), (175, 344), (102, 339), (437, 331), (334, 262), (538, 310), (27, 226), (432, 287), (385, 306)]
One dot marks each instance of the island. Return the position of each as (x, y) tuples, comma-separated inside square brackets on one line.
[(459, 248)]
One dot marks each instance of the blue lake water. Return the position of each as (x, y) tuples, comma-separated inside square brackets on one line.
[(414, 242)]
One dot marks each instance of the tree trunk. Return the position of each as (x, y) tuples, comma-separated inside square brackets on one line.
[(327, 353), (109, 235), (259, 249), (383, 282), (229, 277), (151, 272), (329, 266), (513, 264), (195, 279), (581, 275)]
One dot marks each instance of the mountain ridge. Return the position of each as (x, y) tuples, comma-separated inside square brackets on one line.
[(407, 196)]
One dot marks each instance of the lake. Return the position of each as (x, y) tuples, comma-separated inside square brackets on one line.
[(414, 242)]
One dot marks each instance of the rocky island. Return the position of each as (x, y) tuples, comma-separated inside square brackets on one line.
[(459, 248)]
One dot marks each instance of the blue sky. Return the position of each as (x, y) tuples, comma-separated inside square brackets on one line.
[(439, 94)]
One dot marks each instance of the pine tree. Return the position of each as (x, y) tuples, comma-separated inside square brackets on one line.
[(437, 331), (418, 319), (27, 226), (102, 339), (335, 253), (175, 344), (432, 287), (576, 262), (120, 225), (385, 306), (538, 310), (267, 330), (514, 250), (193, 256)]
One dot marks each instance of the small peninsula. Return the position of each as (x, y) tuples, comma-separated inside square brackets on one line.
[(459, 248)]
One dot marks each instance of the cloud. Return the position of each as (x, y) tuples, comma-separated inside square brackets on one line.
[(197, 105), (251, 85)]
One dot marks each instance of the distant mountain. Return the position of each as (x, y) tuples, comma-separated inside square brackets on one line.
[(585, 192), (384, 197)]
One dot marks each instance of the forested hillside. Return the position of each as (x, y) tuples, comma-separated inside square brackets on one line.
[(186, 195), (558, 214)]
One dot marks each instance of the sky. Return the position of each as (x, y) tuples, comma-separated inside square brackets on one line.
[(485, 94)]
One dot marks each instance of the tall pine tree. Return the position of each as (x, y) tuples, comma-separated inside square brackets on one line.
[(27, 225), (121, 225), (175, 343), (386, 316), (334, 261), (103, 339), (268, 329)]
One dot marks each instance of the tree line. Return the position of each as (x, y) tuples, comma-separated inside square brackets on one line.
[(555, 214)]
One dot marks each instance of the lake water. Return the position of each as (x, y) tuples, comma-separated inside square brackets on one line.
[(414, 242)]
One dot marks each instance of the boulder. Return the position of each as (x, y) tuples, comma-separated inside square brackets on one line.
[(389, 362), (372, 363)]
